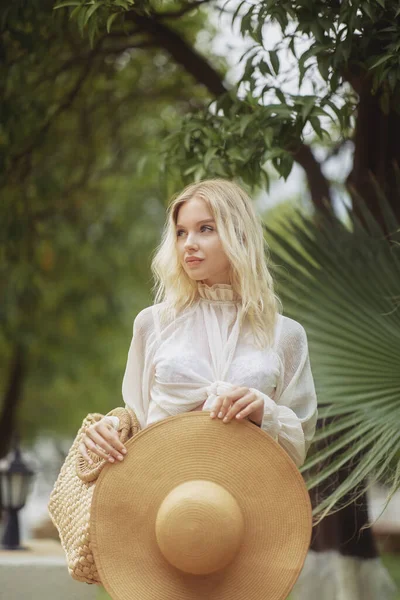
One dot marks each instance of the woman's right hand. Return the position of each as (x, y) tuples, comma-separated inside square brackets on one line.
[(102, 439)]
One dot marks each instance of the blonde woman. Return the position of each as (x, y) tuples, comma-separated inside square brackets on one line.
[(214, 340)]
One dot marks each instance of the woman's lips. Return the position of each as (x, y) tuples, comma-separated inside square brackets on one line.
[(194, 263)]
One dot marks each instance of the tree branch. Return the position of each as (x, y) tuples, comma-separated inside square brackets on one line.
[(181, 52), (317, 182), (129, 46), (63, 106), (80, 58), (204, 73), (179, 13)]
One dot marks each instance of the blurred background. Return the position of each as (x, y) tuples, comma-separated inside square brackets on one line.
[(108, 108)]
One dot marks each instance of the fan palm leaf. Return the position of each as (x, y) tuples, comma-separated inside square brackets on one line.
[(342, 283)]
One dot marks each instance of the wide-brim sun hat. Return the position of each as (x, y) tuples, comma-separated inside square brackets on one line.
[(201, 509)]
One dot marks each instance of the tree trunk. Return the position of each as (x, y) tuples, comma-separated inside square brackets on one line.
[(11, 400), (342, 531), (376, 156)]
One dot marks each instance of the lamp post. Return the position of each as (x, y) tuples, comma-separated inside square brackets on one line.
[(15, 483)]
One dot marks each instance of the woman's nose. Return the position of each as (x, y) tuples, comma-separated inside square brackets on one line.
[(190, 241)]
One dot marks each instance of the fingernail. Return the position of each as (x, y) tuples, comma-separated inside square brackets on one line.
[(123, 450), (120, 457), (212, 415), (111, 459), (224, 420), (220, 415)]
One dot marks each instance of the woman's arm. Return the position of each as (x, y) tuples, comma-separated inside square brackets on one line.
[(138, 371), (291, 416)]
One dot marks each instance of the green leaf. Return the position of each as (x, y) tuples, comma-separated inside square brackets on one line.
[(67, 3), (274, 58), (245, 24), (291, 46), (280, 95), (310, 53), (219, 169), (91, 10), (187, 140), (317, 111), (81, 19), (286, 165), (315, 124), (122, 3), (199, 173), (368, 10), (209, 155), (76, 12), (317, 31), (110, 21), (324, 62), (280, 109), (382, 60), (307, 107), (336, 110), (264, 68), (236, 154), (236, 13), (92, 31), (244, 121)]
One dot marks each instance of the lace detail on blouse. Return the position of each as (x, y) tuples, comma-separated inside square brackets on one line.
[(219, 292)]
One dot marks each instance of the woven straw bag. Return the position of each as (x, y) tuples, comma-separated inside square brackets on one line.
[(71, 497)]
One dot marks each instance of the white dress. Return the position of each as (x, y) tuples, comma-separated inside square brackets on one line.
[(186, 364)]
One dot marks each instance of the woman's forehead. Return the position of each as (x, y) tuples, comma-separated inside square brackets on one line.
[(194, 211)]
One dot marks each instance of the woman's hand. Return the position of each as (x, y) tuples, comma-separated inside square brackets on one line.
[(102, 439), (239, 403)]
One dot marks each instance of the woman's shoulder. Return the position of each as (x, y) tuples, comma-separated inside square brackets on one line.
[(289, 332), (151, 316), (144, 319)]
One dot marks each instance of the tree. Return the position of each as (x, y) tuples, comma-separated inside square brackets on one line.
[(346, 52), (79, 180)]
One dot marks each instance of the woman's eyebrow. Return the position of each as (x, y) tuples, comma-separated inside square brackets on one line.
[(198, 222)]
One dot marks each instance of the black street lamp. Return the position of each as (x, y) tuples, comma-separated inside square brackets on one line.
[(15, 483)]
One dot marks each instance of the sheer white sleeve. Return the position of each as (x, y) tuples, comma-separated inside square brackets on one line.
[(291, 416), (137, 380)]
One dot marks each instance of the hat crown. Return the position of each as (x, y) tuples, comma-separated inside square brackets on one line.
[(199, 527)]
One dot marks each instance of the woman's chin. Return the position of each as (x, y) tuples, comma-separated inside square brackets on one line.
[(198, 278)]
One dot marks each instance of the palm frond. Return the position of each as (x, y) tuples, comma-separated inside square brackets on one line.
[(343, 285)]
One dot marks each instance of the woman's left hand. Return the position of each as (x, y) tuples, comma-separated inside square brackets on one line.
[(239, 403)]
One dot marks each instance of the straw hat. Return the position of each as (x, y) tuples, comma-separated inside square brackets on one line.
[(200, 509)]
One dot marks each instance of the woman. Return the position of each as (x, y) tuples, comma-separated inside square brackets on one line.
[(214, 339)]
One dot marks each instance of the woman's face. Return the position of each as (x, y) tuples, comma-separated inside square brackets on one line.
[(197, 236)]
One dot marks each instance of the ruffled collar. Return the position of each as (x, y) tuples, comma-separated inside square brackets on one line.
[(219, 292)]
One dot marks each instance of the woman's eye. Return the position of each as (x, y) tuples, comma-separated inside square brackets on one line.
[(202, 227)]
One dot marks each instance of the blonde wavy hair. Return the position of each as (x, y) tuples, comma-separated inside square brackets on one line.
[(241, 234)]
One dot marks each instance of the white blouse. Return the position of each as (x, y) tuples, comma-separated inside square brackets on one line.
[(184, 365)]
